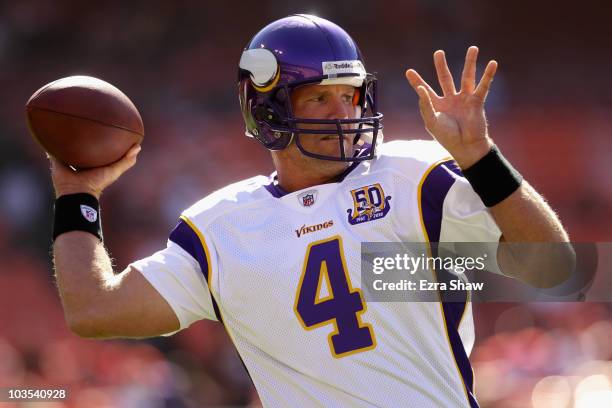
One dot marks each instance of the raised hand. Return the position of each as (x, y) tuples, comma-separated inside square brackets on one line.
[(457, 119)]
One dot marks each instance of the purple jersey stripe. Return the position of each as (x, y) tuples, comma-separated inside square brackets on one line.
[(186, 238), (433, 193), (451, 310), (275, 189)]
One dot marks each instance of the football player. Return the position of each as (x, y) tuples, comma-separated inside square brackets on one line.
[(277, 259)]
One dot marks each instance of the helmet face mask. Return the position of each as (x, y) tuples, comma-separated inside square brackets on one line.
[(298, 51)]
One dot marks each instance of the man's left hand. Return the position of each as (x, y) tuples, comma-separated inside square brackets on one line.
[(457, 119)]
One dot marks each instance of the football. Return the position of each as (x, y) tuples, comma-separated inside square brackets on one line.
[(83, 121)]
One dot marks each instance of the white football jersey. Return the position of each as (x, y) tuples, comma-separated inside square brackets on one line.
[(255, 258)]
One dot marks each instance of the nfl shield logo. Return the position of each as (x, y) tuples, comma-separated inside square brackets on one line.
[(308, 198), (89, 213)]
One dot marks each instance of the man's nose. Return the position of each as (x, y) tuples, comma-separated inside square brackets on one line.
[(339, 109)]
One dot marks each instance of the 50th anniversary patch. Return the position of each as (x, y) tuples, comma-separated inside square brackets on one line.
[(369, 204)]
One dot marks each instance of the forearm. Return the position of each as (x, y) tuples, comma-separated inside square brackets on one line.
[(524, 216), (533, 238), (84, 276)]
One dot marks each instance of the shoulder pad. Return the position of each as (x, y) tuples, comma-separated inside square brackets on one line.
[(412, 158), (228, 198)]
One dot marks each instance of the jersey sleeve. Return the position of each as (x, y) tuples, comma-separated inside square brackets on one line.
[(453, 212), (180, 274)]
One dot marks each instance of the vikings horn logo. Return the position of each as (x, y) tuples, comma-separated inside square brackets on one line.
[(369, 203)]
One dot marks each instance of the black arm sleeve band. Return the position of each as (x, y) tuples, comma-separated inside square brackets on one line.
[(493, 178), (77, 212)]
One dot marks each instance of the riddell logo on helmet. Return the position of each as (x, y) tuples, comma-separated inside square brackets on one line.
[(339, 67), (313, 228), (344, 65)]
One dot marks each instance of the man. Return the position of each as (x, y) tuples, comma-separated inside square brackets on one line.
[(255, 254)]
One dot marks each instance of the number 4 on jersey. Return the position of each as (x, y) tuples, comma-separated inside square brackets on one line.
[(343, 304)]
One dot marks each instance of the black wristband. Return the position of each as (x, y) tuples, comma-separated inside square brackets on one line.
[(77, 212), (493, 178)]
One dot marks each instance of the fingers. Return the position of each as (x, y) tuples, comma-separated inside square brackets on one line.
[(426, 107), (126, 162), (485, 82), (113, 171), (134, 150), (468, 77), (444, 76), (415, 81), (92, 181), (426, 94), (120, 166)]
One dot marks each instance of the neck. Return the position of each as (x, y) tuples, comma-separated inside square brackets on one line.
[(291, 184), (292, 178), (296, 171)]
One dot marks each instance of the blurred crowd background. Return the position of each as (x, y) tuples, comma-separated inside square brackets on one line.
[(548, 111)]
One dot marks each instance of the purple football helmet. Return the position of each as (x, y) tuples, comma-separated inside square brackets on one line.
[(298, 50)]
